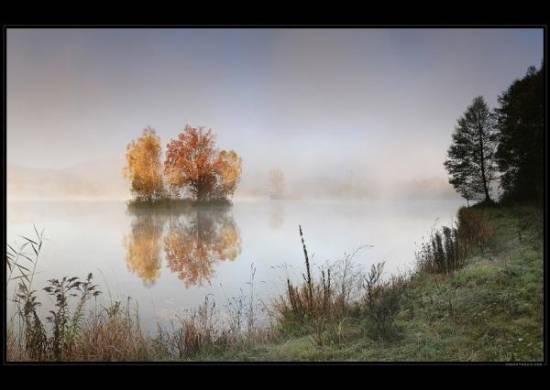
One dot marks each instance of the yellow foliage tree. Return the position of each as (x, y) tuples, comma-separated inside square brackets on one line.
[(143, 167), (143, 246), (228, 167)]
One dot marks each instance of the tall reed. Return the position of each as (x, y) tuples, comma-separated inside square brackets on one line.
[(315, 302)]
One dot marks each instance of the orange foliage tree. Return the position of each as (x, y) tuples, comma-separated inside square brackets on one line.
[(193, 164), (143, 167), (196, 241)]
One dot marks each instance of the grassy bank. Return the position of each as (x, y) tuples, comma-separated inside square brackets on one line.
[(477, 295), (491, 309)]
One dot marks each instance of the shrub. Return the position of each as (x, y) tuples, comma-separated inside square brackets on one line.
[(441, 253), (447, 249), (474, 230), (382, 302)]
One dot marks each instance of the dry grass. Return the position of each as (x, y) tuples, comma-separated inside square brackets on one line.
[(474, 230), (446, 249), (318, 303), (112, 332), (342, 294)]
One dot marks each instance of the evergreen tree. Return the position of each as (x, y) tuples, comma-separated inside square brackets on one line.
[(470, 161), (520, 154)]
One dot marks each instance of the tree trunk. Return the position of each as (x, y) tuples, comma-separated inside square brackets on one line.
[(483, 177), (201, 190)]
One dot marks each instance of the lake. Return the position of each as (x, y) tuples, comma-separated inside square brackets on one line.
[(169, 262)]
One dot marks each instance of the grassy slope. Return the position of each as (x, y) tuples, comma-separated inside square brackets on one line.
[(491, 310)]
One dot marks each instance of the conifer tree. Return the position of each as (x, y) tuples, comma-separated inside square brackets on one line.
[(470, 161)]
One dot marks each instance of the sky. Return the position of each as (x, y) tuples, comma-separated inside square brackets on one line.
[(376, 102)]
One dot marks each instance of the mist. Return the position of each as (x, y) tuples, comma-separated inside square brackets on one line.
[(344, 113)]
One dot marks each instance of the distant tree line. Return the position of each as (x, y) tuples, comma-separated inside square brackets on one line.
[(506, 144), (193, 168)]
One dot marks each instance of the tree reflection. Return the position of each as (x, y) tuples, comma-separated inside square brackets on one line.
[(195, 239), (276, 215), (199, 238), (143, 246)]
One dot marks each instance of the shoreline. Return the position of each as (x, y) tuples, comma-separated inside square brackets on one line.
[(448, 305)]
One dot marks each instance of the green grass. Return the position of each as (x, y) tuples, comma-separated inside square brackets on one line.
[(490, 310)]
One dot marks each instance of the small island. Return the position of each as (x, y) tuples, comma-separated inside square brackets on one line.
[(194, 172)]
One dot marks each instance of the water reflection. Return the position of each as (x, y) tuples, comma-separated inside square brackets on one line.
[(196, 238), (143, 246), (276, 214)]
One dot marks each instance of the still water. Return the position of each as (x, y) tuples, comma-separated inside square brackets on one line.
[(168, 262)]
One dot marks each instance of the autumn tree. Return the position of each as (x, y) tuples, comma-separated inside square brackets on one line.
[(143, 166), (193, 164), (228, 169), (276, 183), (470, 162)]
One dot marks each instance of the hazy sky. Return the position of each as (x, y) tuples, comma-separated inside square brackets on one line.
[(378, 100)]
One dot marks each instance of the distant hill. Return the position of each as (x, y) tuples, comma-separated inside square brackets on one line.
[(100, 179)]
